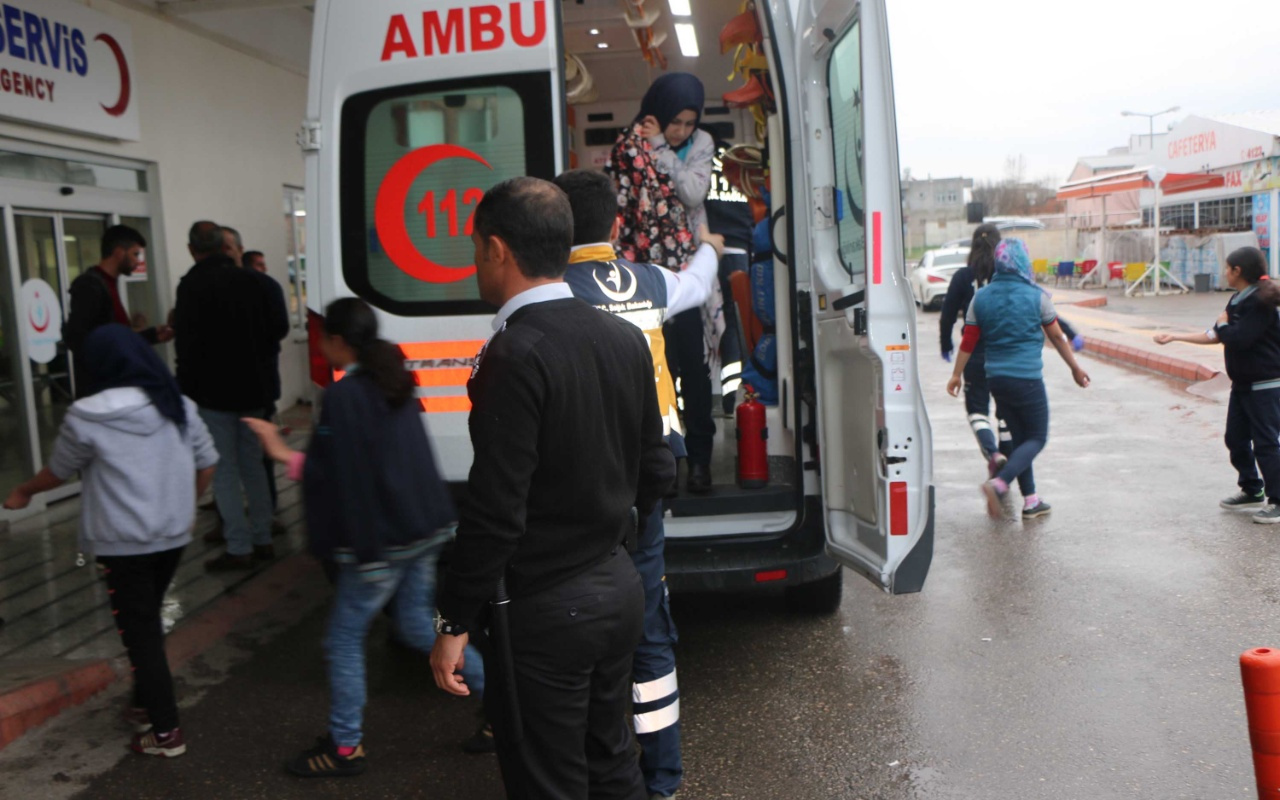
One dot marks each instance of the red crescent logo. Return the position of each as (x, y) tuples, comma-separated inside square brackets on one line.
[(122, 102), (48, 318), (388, 214)]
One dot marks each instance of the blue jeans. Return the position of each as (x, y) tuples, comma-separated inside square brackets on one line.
[(654, 692), (411, 586), (1024, 407), (1253, 439), (239, 481)]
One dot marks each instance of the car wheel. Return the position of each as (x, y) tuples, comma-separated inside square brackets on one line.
[(820, 598)]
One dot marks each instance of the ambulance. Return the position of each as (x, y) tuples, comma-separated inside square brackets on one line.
[(416, 107)]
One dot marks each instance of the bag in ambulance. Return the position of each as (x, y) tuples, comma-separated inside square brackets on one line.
[(416, 107)]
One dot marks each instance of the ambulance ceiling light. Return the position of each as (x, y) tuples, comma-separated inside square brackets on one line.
[(602, 45), (680, 8), (594, 31), (688, 38)]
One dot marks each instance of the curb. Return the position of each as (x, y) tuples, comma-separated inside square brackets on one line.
[(281, 588), (1171, 367), (1092, 302)]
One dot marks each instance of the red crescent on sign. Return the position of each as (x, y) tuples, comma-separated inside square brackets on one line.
[(388, 214), (122, 102), (48, 318)]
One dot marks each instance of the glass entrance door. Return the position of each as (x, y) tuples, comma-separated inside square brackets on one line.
[(54, 248)]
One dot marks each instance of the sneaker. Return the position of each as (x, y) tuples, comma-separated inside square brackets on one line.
[(996, 463), (481, 741), (1038, 510), (323, 761), (229, 563), (1268, 516), (264, 552), (699, 481), (165, 745), (137, 719), (1242, 500), (995, 508)]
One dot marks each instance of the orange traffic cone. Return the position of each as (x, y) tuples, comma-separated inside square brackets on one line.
[(1260, 673)]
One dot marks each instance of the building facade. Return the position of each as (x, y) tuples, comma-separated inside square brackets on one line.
[(115, 112), (933, 210)]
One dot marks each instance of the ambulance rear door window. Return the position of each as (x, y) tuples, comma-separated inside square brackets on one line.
[(415, 162)]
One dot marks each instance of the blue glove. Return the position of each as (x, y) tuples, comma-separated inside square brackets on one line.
[(946, 356), (1077, 343)]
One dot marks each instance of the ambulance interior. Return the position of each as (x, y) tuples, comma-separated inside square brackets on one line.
[(614, 50)]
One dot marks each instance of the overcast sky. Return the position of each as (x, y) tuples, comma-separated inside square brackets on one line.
[(976, 82)]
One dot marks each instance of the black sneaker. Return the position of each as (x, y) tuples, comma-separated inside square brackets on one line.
[(1268, 516), (1242, 500), (323, 761), (481, 741), (1038, 510)]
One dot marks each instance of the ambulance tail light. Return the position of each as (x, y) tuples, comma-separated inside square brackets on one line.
[(768, 576), (321, 374)]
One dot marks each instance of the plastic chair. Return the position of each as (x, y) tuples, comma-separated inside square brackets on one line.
[(1133, 273), (1040, 269), (1115, 270), (1066, 269), (1088, 266)]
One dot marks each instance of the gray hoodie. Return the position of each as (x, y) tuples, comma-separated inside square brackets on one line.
[(138, 468)]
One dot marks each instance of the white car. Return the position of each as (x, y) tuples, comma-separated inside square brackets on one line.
[(929, 281)]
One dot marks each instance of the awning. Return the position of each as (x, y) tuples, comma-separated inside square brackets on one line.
[(1138, 178)]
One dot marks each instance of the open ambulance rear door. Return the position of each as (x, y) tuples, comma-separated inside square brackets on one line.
[(415, 109), (845, 224)]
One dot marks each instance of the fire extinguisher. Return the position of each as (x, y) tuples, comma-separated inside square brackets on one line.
[(753, 435)]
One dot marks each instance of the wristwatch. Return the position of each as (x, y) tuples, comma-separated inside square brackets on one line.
[(448, 628)]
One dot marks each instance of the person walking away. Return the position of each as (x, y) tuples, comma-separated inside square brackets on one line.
[(675, 168), (597, 275), (977, 397), (143, 455), (541, 527), (221, 338), (95, 299), (377, 508), (1012, 316), (1249, 331)]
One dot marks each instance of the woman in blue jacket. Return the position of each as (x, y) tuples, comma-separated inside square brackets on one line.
[(1249, 331), (1011, 316), (377, 508)]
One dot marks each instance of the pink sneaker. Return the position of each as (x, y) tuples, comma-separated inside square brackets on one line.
[(996, 463), (995, 508)]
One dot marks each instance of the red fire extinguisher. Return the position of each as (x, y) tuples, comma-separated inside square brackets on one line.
[(753, 435)]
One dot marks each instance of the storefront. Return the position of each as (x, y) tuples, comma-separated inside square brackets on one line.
[(111, 114)]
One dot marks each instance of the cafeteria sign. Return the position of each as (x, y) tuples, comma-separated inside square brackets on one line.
[(67, 66)]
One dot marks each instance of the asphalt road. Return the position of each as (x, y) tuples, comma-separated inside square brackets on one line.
[(1089, 654)]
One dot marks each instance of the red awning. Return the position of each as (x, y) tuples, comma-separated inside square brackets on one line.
[(1130, 179)]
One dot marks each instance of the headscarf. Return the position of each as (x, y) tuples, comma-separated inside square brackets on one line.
[(671, 94), (1012, 259), (115, 357)]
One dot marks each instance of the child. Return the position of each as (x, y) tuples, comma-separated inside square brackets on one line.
[(1249, 331), (144, 456), (376, 506), (1012, 316)]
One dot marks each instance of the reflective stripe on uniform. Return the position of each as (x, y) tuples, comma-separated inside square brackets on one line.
[(979, 422), (654, 690), (657, 720)]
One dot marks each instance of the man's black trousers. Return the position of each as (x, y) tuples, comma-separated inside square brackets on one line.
[(572, 647), (136, 585)]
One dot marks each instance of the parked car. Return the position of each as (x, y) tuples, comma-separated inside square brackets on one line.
[(930, 280)]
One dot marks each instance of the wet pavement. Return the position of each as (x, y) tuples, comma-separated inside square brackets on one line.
[(1089, 654)]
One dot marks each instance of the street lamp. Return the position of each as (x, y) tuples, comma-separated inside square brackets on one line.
[(1151, 122)]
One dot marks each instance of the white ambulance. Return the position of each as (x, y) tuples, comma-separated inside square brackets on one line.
[(416, 107)]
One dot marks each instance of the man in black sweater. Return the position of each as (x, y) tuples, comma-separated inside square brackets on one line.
[(222, 337), (95, 298), (568, 440)]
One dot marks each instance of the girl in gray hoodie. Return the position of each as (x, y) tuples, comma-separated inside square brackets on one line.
[(144, 456)]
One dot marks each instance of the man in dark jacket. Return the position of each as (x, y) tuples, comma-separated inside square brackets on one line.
[(95, 298), (222, 339), (568, 441)]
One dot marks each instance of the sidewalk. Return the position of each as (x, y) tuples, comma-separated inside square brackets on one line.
[(58, 642), (1120, 328)]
